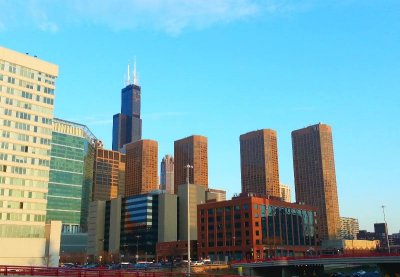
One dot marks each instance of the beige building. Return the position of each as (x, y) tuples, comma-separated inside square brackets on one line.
[(259, 162), (96, 220), (315, 177), (217, 194), (192, 151), (141, 167), (27, 87), (197, 195), (349, 228), (285, 193), (109, 174)]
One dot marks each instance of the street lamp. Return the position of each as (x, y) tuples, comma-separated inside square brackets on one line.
[(386, 228), (188, 167), (137, 247)]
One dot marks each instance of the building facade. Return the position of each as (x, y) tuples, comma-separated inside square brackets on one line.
[(27, 87), (349, 228), (254, 228), (130, 227), (141, 167), (127, 125), (216, 194), (71, 175), (315, 177), (167, 174), (192, 151), (109, 174), (259, 162), (285, 193)]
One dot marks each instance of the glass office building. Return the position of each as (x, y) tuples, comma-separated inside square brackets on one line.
[(71, 175), (27, 87), (139, 226)]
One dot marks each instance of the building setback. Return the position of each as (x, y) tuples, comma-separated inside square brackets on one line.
[(71, 175), (192, 150), (141, 167), (167, 174), (254, 228), (315, 177), (259, 163), (127, 125), (109, 174)]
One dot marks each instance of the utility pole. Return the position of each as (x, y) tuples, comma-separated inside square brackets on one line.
[(188, 167), (386, 228)]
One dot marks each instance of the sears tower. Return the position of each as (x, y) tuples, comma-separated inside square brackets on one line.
[(127, 125)]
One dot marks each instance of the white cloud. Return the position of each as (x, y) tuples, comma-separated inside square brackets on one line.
[(170, 16)]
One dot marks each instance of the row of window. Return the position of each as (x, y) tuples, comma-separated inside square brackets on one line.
[(23, 217), (24, 160), (22, 182), (26, 127), (26, 72), (22, 193), (22, 205)]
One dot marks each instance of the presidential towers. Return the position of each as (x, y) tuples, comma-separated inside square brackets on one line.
[(192, 151), (315, 177), (127, 125), (259, 163)]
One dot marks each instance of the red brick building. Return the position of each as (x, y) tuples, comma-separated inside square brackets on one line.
[(176, 250), (255, 228)]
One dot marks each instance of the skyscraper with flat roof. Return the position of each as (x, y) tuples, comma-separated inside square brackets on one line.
[(141, 167), (26, 113), (27, 87), (315, 177), (191, 150), (167, 174), (259, 163), (127, 125), (71, 175)]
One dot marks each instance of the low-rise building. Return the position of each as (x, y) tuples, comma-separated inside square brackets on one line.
[(254, 228)]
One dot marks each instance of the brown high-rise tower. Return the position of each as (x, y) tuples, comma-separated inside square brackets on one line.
[(141, 167), (109, 174), (259, 163), (315, 178), (192, 150)]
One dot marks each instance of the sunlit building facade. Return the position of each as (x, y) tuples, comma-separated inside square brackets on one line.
[(71, 175), (26, 113), (315, 177), (109, 174), (259, 162), (191, 151), (27, 87), (255, 228)]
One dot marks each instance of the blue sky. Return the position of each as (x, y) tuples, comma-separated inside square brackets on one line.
[(222, 68)]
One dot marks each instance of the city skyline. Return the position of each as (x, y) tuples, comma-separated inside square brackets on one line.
[(240, 68)]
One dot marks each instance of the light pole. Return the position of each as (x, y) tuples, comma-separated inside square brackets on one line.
[(386, 228), (137, 247), (188, 167)]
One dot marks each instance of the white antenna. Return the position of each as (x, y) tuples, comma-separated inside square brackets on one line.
[(135, 79)]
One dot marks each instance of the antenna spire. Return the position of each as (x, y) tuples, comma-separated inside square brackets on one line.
[(135, 79)]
